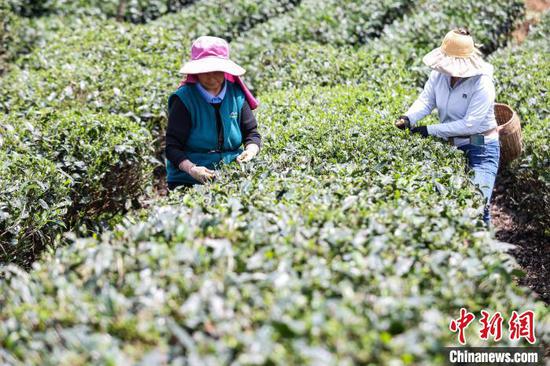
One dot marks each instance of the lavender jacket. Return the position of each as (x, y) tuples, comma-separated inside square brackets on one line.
[(467, 109)]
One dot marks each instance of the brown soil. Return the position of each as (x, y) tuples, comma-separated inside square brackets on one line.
[(520, 33), (533, 9), (513, 225), (537, 5), (511, 216)]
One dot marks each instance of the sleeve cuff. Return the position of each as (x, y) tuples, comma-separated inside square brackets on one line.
[(254, 140), (412, 119), (178, 159)]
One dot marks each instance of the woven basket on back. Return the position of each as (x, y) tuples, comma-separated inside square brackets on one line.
[(509, 129)]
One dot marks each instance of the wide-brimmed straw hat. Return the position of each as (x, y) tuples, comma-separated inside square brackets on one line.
[(210, 54), (458, 56)]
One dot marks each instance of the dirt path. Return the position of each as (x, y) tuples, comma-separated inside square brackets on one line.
[(537, 5), (533, 10), (513, 225)]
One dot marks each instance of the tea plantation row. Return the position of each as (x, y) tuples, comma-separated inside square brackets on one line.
[(519, 73), (142, 57), (346, 242), (285, 61), (67, 168), (136, 11), (225, 19)]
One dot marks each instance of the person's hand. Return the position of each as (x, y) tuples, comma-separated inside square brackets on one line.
[(248, 154), (403, 122), (202, 174), (422, 130), (199, 173)]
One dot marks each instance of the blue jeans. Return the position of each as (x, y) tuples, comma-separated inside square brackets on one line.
[(484, 161)]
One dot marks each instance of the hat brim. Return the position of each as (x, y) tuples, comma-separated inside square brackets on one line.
[(211, 64), (462, 67)]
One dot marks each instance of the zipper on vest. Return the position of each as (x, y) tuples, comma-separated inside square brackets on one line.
[(219, 126)]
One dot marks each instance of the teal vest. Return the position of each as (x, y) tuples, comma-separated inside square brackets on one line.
[(203, 137)]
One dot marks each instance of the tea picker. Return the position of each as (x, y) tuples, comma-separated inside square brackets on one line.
[(210, 116), (461, 88)]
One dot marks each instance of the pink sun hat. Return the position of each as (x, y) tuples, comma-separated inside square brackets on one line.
[(210, 54)]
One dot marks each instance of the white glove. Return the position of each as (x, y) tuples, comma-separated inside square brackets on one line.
[(248, 154), (199, 173), (202, 174)]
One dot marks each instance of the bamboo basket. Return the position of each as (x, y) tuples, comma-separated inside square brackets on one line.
[(509, 129)]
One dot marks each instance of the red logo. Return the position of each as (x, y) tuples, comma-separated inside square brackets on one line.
[(520, 326)]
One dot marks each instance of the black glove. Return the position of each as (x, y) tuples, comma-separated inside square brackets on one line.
[(422, 130), (403, 122)]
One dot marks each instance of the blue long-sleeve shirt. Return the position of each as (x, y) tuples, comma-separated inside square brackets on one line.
[(467, 109)]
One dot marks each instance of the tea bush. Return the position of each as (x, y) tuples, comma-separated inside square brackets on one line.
[(20, 35), (99, 162), (99, 71), (520, 71), (136, 11), (402, 43), (346, 242), (489, 23), (221, 18), (133, 60), (143, 11), (192, 21), (10, 36), (332, 22), (34, 199), (6, 18)]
